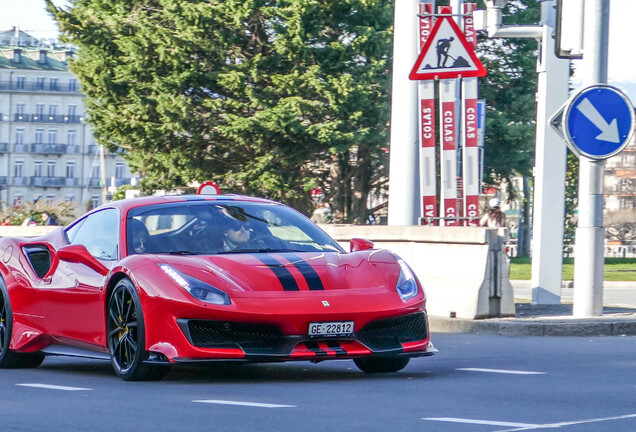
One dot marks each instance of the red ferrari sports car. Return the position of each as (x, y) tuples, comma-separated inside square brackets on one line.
[(150, 282)]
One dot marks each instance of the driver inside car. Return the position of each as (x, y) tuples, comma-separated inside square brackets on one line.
[(237, 235), (140, 236)]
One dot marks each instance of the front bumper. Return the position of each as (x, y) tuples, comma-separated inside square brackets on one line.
[(215, 340)]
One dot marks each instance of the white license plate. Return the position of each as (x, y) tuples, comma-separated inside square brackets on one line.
[(332, 328)]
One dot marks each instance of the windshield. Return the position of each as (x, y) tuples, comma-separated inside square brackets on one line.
[(217, 227)]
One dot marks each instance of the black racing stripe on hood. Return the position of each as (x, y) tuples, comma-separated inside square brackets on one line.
[(311, 276), (284, 276)]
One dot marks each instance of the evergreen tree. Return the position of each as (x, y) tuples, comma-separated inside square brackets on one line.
[(266, 97)]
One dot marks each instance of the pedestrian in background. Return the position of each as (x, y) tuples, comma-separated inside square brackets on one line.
[(494, 216), (48, 219)]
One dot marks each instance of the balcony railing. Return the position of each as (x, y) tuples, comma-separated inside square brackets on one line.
[(41, 148), (3, 180), (94, 149), (4, 147), (57, 118), (48, 181), (45, 118), (48, 148), (18, 181), (43, 87)]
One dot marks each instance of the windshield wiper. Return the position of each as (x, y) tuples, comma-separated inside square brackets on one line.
[(262, 250), (181, 252)]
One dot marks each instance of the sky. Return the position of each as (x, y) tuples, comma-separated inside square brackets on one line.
[(31, 17)]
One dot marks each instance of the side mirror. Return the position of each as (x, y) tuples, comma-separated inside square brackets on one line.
[(79, 254), (358, 244)]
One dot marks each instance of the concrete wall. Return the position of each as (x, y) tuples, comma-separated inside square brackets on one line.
[(463, 270), (28, 231)]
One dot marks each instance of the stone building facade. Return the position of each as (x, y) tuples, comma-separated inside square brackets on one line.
[(47, 150)]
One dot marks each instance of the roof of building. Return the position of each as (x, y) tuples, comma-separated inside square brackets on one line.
[(30, 50)]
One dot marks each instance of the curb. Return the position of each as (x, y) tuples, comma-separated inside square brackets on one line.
[(556, 327)]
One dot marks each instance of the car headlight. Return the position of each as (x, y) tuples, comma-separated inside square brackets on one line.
[(406, 284), (197, 288)]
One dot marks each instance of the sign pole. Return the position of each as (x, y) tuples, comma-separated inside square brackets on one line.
[(589, 257), (470, 158), (426, 105), (404, 206), (448, 150)]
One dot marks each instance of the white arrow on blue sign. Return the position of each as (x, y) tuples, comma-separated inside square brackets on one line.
[(598, 122)]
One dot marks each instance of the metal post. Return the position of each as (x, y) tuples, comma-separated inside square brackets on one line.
[(549, 170), (550, 154), (588, 260), (404, 159)]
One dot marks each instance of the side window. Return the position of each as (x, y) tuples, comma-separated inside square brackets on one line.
[(70, 232), (98, 233)]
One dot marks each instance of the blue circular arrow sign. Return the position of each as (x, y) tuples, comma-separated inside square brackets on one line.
[(599, 122)]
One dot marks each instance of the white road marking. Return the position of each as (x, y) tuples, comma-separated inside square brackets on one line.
[(53, 387), (481, 422), (572, 423), (250, 404), (501, 371)]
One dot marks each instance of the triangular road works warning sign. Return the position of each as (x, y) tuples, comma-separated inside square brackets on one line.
[(446, 54)]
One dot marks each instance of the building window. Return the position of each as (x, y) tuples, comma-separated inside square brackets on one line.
[(18, 169), (39, 83), (50, 200), (625, 185), (71, 137), (19, 136), (38, 168), (20, 83), (626, 203), (53, 84), (72, 112), (95, 171), (52, 136), (70, 169), (72, 84), (119, 170), (94, 201), (70, 198), (19, 111), (50, 169), (39, 111), (52, 112), (39, 136)]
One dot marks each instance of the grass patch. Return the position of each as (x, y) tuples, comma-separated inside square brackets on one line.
[(616, 269)]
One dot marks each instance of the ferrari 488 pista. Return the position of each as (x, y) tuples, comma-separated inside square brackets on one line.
[(147, 283)]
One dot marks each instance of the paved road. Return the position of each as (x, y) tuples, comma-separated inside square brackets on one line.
[(477, 383)]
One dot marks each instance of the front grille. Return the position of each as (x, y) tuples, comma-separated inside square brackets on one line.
[(391, 333), (227, 334)]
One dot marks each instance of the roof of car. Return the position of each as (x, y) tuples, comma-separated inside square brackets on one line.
[(130, 203)]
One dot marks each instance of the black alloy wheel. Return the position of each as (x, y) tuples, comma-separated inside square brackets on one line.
[(9, 358), (126, 336)]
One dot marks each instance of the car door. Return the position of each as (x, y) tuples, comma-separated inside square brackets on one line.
[(73, 299)]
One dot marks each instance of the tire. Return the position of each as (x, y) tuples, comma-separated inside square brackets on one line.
[(381, 364), (126, 336), (10, 359)]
